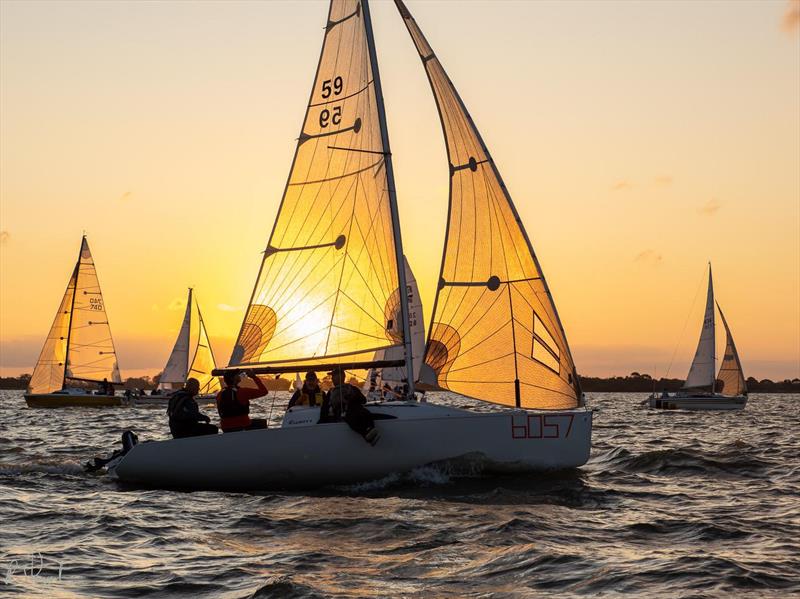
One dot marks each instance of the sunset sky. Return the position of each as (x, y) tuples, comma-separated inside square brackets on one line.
[(639, 140)]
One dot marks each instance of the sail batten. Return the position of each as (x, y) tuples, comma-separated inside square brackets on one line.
[(79, 346), (492, 291), (329, 272)]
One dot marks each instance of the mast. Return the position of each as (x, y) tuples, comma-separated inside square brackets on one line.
[(72, 308), (398, 240), (714, 332), (188, 361)]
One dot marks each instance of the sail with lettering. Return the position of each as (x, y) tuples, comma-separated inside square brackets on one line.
[(79, 346), (495, 332), (416, 324), (730, 379), (192, 342), (701, 372), (328, 290)]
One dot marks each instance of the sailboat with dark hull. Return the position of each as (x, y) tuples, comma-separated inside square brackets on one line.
[(78, 354), (330, 293), (703, 390)]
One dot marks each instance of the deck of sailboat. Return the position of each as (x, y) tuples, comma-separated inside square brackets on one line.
[(688, 401)]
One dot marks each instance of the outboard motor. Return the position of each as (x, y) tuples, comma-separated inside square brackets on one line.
[(129, 441)]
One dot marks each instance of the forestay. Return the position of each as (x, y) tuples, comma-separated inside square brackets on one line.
[(328, 286), (701, 373), (203, 362), (495, 332), (730, 380), (79, 345)]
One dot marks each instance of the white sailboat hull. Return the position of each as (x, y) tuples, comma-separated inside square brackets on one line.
[(697, 402), (303, 453)]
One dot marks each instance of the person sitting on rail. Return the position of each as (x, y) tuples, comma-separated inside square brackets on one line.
[(184, 414), (346, 401), (309, 394), (233, 403)]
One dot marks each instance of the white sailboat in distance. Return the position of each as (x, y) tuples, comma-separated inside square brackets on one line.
[(191, 357), (703, 390), (79, 350), (328, 296)]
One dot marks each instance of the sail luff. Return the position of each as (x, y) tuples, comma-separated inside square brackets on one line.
[(392, 190), (476, 185), (76, 275), (730, 373), (328, 283), (177, 366), (702, 371), (208, 382)]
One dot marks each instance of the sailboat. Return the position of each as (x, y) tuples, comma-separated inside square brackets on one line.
[(79, 349), (185, 362), (702, 389), (329, 295)]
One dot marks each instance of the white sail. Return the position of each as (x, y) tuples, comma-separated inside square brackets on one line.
[(701, 373), (394, 375), (495, 332), (730, 380), (174, 374), (328, 287), (79, 346)]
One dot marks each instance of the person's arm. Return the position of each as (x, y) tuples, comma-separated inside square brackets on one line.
[(245, 395), (295, 397)]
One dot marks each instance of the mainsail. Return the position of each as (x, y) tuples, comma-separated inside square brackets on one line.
[(328, 289), (495, 332), (416, 325), (730, 380), (701, 373), (178, 367), (79, 346)]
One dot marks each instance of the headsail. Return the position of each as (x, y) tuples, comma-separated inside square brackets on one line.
[(203, 362), (79, 345), (730, 380), (495, 333), (328, 287), (701, 373), (174, 374)]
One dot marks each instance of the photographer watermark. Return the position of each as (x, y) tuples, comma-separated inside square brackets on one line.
[(34, 566)]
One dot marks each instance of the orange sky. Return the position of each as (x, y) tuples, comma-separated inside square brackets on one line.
[(638, 139)]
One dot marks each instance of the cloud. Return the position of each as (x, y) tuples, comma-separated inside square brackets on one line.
[(227, 308), (662, 180), (649, 257), (177, 304), (710, 207), (4, 237), (621, 186), (790, 22), (126, 196)]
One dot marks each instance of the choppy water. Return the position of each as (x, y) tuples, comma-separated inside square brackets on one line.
[(671, 504)]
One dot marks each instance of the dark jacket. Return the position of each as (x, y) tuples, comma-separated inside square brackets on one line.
[(339, 400), (182, 408)]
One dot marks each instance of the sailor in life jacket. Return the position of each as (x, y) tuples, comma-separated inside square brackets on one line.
[(309, 394), (346, 402), (233, 403)]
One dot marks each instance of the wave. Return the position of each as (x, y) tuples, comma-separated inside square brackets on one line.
[(731, 460)]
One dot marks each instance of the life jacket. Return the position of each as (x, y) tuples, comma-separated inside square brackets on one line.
[(228, 406), (309, 399)]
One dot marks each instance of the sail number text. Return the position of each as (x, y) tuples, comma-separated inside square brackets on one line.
[(332, 115), (541, 426), (95, 303)]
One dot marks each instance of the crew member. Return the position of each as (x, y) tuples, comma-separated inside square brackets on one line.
[(233, 403), (309, 394), (346, 401), (185, 418)]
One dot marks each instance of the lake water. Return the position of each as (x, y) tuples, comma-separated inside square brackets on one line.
[(670, 504)]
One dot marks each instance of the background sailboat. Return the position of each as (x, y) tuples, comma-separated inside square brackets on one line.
[(331, 291), (79, 349), (703, 390), (191, 355)]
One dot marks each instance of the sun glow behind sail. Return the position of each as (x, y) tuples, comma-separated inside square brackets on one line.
[(730, 380), (495, 334), (79, 345), (328, 284)]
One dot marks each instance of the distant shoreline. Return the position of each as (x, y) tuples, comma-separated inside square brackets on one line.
[(634, 383)]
